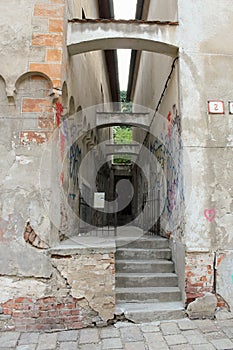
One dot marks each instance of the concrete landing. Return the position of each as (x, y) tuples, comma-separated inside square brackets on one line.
[(149, 312)]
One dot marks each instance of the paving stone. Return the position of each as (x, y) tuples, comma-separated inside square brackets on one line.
[(114, 343), (9, 339), (186, 324), (222, 344), (155, 341), (68, 345), (89, 335), (215, 335), (90, 347), (28, 338), (194, 337), (207, 326), (225, 323), (158, 346), (181, 347), (169, 328), (27, 347), (134, 346), (175, 339), (149, 328), (203, 347), (224, 315), (47, 341), (131, 334), (125, 324), (154, 337), (109, 333), (67, 335), (228, 331)]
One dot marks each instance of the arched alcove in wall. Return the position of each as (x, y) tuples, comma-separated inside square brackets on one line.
[(64, 97), (33, 100), (34, 83), (71, 106), (3, 95), (84, 122)]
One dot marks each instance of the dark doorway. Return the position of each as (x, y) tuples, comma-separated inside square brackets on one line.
[(125, 215)]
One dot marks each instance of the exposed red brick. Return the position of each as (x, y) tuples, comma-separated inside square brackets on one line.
[(27, 137), (51, 69), (36, 105), (57, 83), (58, 1), (56, 25), (53, 55), (220, 258), (49, 10), (199, 275), (50, 40), (221, 302), (45, 123), (23, 300), (55, 315), (31, 237)]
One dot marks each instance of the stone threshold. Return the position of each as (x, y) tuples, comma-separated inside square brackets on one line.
[(84, 245)]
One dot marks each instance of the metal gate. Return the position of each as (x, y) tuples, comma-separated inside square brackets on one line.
[(93, 221), (151, 207)]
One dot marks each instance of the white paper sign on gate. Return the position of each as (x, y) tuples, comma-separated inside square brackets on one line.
[(99, 199)]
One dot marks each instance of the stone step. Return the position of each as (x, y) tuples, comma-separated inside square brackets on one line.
[(147, 294), (146, 280), (142, 254), (144, 266), (144, 242), (149, 312)]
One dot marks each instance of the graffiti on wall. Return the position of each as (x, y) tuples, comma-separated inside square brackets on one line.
[(68, 135), (74, 162), (168, 151)]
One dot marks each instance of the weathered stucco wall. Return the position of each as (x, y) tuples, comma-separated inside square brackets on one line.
[(205, 73), (34, 100), (86, 86), (163, 10), (39, 86)]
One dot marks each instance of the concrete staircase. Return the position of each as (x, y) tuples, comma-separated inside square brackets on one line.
[(146, 285)]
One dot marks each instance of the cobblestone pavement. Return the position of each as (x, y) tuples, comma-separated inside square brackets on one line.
[(175, 335)]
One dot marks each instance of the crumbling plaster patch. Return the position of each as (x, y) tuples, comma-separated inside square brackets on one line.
[(90, 277), (21, 260), (32, 238), (225, 278), (12, 287)]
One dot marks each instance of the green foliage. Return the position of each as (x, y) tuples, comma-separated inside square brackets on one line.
[(125, 106), (125, 160), (122, 134)]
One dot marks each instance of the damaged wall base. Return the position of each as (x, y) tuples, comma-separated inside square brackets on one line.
[(79, 293)]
